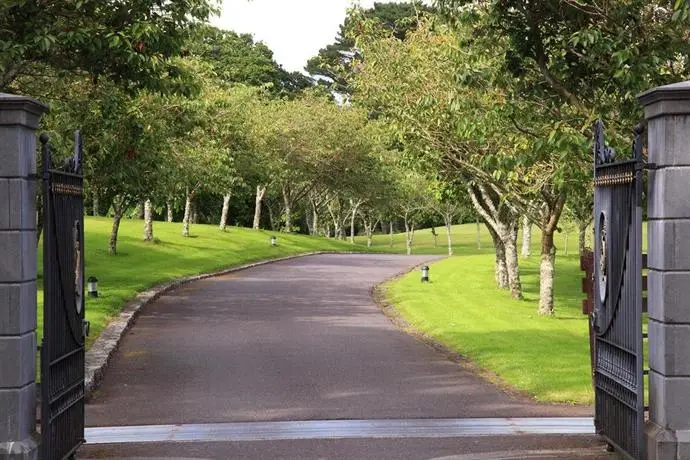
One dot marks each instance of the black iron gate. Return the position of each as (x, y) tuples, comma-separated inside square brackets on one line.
[(62, 350), (617, 316)]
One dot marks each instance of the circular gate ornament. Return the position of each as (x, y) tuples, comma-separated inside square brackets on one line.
[(603, 260)]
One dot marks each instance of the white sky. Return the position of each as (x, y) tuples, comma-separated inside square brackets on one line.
[(294, 29)]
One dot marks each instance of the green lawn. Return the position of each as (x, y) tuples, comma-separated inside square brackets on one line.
[(140, 265), (547, 358)]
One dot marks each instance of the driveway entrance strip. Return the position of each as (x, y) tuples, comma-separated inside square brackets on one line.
[(294, 360)]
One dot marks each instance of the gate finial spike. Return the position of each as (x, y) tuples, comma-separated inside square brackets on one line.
[(638, 142), (602, 153)]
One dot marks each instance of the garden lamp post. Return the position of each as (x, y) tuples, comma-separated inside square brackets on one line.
[(425, 274), (274, 241), (93, 286)]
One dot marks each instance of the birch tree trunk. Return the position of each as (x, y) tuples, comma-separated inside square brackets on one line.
[(224, 213), (287, 212), (582, 236), (546, 274), (260, 192), (501, 268), (526, 237), (501, 218), (94, 203), (169, 206), (148, 221), (390, 232), (354, 206), (119, 210), (187, 214), (435, 235), (336, 218), (369, 231), (510, 244), (551, 215), (409, 235), (337, 230), (450, 239), (315, 222)]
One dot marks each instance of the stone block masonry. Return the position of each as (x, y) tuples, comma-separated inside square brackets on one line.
[(19, 117), (667, 110)]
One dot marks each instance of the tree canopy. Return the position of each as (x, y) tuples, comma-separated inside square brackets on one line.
[(127, 42), (333, 63)]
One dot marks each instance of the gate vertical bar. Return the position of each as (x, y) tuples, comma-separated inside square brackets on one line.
[(46, 345), (636, 277)]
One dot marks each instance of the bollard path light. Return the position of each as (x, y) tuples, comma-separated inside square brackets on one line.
[(274, 241), (93, 286), (425, 274)]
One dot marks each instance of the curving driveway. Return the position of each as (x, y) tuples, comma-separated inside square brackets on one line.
[(290, 341)]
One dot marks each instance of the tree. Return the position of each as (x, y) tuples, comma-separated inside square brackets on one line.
[(448, 208), (444, 127), (526, 250), (307, 144), (411, 199), (129, 43), (236, 58), (205, 156), (562, 65), (121, 142), (332, 66)]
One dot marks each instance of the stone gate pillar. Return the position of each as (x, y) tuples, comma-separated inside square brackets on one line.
[(667, 110), (19, 118)]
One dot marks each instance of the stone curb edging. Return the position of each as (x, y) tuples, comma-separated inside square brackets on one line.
[(99, 355)]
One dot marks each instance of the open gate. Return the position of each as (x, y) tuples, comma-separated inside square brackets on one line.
[(617, 315), (62, 350)]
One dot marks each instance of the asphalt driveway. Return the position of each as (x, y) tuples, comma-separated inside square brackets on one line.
[(295, 340)]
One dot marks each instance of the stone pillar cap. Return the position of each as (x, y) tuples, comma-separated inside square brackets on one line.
[(672, 92), (20, 111), (673, 99), (15, 102)]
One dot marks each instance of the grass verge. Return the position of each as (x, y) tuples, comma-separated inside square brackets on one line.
[(547, 358)]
